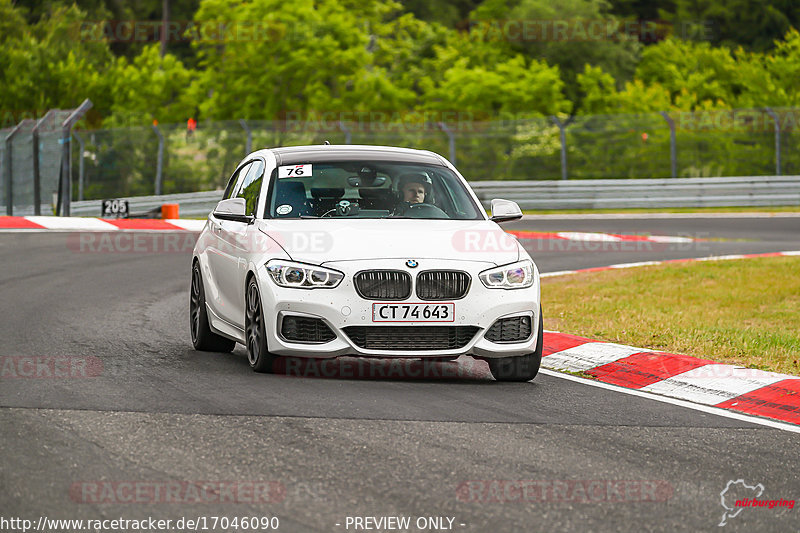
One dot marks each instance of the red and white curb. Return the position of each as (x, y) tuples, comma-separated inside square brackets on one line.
[(746, 390), (98, 224), (669, 261)]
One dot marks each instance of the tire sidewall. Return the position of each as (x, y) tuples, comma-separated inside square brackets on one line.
[(205, 339), (263, 362), (523, 367)]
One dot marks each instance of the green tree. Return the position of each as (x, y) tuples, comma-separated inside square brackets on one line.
[(754, 24), (450, 13), (700, 76), (149, 87), (303, 56), (112, 12), (516, 86), (45, 65), (569, 34), (601, 97)]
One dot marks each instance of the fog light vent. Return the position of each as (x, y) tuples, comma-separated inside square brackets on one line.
[(514, 329), (306, 329)]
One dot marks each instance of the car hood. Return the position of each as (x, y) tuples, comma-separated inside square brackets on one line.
[(321, 241)]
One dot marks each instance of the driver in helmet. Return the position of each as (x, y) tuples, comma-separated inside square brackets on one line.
[(413, 188)]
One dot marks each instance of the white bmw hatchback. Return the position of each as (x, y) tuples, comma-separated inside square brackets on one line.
[(326, 251)]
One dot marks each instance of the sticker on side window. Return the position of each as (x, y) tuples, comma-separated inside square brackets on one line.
[(294, 171)]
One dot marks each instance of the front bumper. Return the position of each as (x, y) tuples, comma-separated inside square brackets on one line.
[(342, 307)]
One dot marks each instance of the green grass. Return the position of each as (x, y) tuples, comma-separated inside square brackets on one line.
[(742, 312), (770, 209)]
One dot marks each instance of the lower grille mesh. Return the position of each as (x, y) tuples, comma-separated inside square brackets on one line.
[(306, 329), (409, 338), (512, 329)]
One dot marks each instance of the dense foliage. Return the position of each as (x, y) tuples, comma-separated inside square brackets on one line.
[(495, 70), (309, 56)]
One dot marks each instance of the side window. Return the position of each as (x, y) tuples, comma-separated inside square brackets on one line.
[(251, 186), (233, 183)]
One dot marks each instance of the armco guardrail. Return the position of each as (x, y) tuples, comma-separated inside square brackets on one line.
[(193, 204), (630, 193), (571, 194)]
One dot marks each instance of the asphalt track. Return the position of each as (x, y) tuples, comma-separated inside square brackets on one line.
[(159, 412)]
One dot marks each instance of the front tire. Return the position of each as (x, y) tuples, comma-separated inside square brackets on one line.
[(522, 367), (255, 332), (203, 338)]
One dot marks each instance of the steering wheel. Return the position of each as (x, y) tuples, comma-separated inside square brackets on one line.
[(424, 211)]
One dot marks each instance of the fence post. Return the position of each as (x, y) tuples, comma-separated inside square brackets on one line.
[(562, 129), (347, 138), (451, 140), (3, 165), (673, 149), (774, 116), (80, 165), (9, 176), (37, 180), (249, 146), (160, 160), (65, 187)]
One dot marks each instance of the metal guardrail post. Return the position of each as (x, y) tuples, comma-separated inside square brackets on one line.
[(9, 176), (673, 148), (249, 146), (160, 160), (451, 141), (774, 116), (81, 149), (65, 187), (347, 138), (37, 180), (562, 129), (3, 165)]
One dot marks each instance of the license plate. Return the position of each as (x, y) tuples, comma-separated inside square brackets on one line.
[(414, 312)]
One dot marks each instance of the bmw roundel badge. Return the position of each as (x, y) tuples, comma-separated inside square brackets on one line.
[(411, 263)]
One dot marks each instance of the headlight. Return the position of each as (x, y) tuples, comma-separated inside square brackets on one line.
[(302, 276), (514, 276)]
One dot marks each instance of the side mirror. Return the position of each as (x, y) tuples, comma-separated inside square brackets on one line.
[(233, 209), (505, 210)]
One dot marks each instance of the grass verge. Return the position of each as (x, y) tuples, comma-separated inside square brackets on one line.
[(742, 312)]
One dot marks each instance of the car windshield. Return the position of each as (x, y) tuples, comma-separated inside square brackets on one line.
[(369, 189)]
